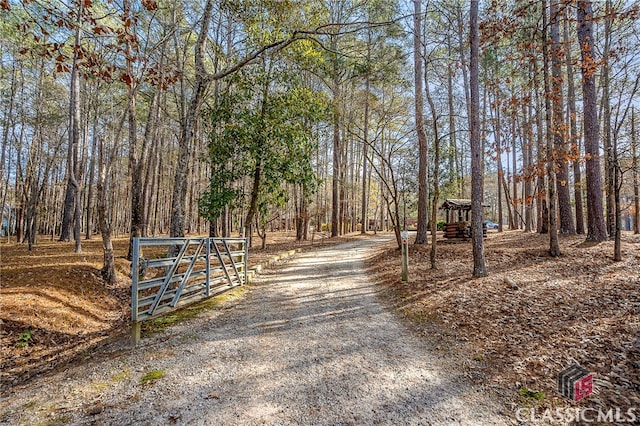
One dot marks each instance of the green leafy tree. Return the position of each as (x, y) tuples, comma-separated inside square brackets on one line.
[(261, 134)]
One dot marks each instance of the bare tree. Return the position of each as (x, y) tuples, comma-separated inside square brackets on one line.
[(72, 204)]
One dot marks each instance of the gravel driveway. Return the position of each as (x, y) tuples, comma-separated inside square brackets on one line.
[(310, 344)]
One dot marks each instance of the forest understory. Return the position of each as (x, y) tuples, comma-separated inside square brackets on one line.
[(515, 330), (532, 317)]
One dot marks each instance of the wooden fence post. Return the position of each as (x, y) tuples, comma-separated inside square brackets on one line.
[(405, 256)]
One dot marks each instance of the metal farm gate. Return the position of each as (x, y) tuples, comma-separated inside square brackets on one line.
[(201, 267)]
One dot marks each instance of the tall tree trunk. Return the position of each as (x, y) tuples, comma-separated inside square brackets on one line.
[(554, 245), (617, 186), (511, 212), (157, 226), (636, 172), (257, 171), (344, 214), (514, 165), (597, 230), (73, 187), (5, 169), (76, 171), (351, 198), (31, 181), (68, 205), (477, 178), (573, 128), (253, 201), (527, 153), (500, 183), (179, 199), (499, 186), (136, 159), (453, 177), (337, 152), (542, 225), (463, 60), (103, 203), (151, 136), (423, 160), (436, 184), (562, 177), (365, 146), (92, 166), (609, 166), (225, 222)]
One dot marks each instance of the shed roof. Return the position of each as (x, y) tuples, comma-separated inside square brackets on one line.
[(458, 204)]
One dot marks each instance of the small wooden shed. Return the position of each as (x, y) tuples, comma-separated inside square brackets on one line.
[(458, 221)]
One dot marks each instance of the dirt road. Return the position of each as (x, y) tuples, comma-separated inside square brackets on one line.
[(311, 344)]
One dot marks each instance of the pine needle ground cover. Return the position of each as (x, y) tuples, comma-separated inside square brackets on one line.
[(55, 307), (532, 317)]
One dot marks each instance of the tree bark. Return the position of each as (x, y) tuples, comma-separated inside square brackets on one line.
[(257, 171), (202, 82), (561, 150), (454, 177), (597, 230), (501, 184), (152, 136), (636, 172), (609, 163), (92, 166), (617, 185), (514, 165), (337, 152), (423, 160), (463, 61), (527, 153), (365, 202), (477, 178), (5, 169), (542, 223), (136, 159), (73, 187), (575, 152), (554, 245), (102, 188), (436, 184)]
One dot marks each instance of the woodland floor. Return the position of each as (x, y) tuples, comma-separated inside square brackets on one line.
[(55, 306), (530, 318), (533, 316)]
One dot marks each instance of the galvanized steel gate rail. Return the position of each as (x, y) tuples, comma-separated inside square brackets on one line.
[(201, 268)]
